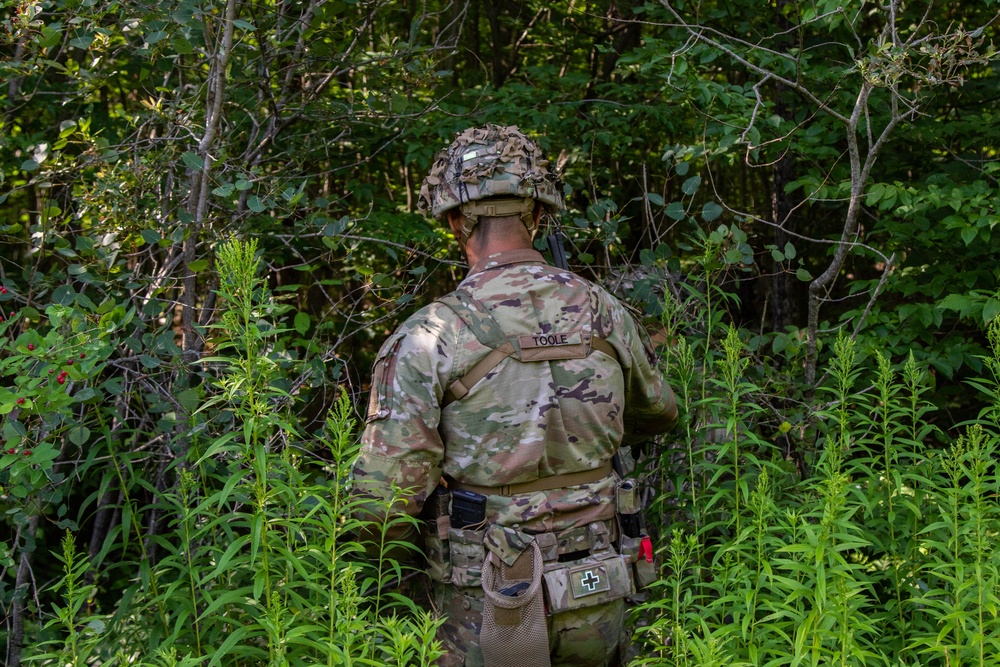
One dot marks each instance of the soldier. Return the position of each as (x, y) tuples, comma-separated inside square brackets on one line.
[(500, 408)]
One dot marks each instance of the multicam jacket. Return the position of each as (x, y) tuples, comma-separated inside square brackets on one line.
[(523, 421)]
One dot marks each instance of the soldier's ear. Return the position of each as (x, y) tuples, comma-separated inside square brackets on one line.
[(455, 221)]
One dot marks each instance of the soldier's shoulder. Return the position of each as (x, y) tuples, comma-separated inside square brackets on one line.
[(435, 317)]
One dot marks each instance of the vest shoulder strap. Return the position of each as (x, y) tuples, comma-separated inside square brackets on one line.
[(490, 334)]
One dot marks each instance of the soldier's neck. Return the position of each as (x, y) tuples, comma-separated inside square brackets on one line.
[(476, 249)]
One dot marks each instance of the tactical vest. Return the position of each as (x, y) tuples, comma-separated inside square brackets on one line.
[(522, 576), (525, 349), (529, 348)]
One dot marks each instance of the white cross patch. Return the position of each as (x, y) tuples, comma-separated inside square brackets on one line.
[(590, 580)]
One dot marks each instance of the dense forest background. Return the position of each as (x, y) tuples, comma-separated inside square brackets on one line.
[(208, 226)]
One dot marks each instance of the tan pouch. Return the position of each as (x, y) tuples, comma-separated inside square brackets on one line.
[(514, 632), (645, 573), (586, 583), (639, 551), (627, 497)]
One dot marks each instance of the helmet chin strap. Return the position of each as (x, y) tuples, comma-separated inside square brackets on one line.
[(498, 208)]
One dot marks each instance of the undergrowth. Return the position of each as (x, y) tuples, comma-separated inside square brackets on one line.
[(880, 552), (835, 525)]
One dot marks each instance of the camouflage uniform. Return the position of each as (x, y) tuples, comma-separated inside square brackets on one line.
[(522, 422)]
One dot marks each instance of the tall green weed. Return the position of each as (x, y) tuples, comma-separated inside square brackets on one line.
[(260, 562), (841, 528)]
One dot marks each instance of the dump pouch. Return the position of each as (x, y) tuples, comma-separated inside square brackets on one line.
[(514, 632)]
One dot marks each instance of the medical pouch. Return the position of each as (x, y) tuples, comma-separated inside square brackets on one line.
[(585, 583)]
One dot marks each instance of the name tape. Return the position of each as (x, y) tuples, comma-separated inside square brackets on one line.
[(550, 339)]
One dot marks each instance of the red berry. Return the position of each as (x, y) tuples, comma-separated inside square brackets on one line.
[(31, 347), (69, 363), (12, 451), (83, 355), (3, 290), (51, 371), (61, 379), (20, 401), (27, 452)]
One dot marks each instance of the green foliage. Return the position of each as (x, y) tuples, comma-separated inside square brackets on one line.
[(260, 559), (878, 552), (210, 419)]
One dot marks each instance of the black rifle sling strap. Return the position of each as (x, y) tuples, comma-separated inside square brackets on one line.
[(489, 333)]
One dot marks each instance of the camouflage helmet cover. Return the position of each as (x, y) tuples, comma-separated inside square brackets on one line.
[(488, 162)]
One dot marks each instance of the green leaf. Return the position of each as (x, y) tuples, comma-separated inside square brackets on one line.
[(182, 46), (254, 203), (654, 199), (969, 234), (79, 435), (710, 211), (959, 302), (148, 361), (675, 210), (691, 185), (224, 190), (875, 194), (150, 236), (682, 168), (84, 395), (302, 322), (803, 275), (63, 295), (82, 42), (189, 399), (789, 251), (198, 265), (991, 310), (193, 161)]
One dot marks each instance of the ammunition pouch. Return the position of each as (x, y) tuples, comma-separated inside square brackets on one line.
[(465, 549), (635, 545)]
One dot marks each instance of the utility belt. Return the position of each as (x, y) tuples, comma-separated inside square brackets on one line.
[(526, 577), (458, 542)]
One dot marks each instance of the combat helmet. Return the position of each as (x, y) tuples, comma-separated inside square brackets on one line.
[(489, 171)]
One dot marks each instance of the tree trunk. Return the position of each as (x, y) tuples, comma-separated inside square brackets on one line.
[(16, 639)]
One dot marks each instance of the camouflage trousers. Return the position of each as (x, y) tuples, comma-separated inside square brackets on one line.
[(588, 637)]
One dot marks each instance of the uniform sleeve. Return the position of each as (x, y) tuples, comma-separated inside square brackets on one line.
[(650, 406), (401, 449)]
